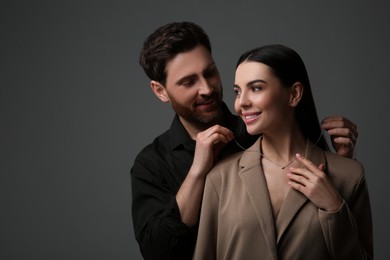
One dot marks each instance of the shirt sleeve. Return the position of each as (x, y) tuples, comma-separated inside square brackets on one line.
[(348, 232), (156, 217)]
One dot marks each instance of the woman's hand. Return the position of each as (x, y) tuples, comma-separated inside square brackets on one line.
[(313, 182)]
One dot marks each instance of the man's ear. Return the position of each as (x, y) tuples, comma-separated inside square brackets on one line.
[(296, 93), (159, 90)]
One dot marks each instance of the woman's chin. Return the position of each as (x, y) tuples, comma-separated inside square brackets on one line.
[(253, 131)]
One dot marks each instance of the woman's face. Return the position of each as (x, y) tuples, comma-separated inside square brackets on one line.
[(261, 100)]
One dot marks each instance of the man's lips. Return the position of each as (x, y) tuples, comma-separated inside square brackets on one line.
[(207, 104), (204, 102)]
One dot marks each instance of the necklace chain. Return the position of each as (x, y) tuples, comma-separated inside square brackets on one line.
[(275, 163)]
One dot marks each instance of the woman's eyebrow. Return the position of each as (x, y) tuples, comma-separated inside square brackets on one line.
[(255, 81)]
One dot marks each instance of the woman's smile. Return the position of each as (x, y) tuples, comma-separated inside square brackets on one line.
[(250, 117)]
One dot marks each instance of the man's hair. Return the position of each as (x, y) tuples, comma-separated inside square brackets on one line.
[(165, 43)]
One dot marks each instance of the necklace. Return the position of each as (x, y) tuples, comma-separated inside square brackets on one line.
[(275, 163)]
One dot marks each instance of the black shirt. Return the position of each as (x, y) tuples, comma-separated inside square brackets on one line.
[(156, 176)]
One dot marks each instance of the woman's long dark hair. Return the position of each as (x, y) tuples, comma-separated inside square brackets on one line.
[(288, 67)]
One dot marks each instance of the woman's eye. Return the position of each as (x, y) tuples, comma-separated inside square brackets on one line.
[(256, 88)]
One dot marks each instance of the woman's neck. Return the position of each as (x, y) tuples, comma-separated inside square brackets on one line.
[(282, 146)]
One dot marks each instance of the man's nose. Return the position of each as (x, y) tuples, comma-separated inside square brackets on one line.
[(205, 87)]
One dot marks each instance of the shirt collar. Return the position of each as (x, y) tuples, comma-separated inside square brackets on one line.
[(179, 136)]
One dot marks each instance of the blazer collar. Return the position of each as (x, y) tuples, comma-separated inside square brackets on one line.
[(256, 187), (254, 180)]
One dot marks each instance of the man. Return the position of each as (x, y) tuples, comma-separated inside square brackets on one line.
[(168, 175)]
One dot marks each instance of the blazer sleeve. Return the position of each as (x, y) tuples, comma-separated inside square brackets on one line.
[(206, 244), (348, 232)]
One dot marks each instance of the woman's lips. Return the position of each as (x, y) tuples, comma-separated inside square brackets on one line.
[(250, 117)]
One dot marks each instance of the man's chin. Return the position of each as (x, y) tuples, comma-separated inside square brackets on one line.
[(209, 119)]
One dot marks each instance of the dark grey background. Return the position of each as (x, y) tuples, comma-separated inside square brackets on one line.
[(75, 107)]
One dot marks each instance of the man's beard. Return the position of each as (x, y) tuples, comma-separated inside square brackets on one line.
[(199, 118)]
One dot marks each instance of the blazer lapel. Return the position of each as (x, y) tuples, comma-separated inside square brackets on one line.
[(255, 184), (294, 199), (291, 205)]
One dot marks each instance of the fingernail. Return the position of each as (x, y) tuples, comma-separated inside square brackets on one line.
[(298, 155)]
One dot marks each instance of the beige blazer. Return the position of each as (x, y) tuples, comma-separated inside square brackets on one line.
[(236, 219)]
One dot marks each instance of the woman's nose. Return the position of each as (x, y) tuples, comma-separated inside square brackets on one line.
[(244, 100)]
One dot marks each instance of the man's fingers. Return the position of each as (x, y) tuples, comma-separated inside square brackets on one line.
[(344, 133), (344, 141), (215, 134), (338, 122)]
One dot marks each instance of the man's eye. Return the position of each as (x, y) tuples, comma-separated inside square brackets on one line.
[(187, 83)]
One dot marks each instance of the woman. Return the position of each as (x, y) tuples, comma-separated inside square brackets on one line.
[(286, 197)]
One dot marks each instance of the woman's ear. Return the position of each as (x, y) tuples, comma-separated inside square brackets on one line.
[(296, 93), (159, 90)]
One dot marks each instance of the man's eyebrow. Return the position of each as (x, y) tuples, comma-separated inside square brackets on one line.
[(211, 65)]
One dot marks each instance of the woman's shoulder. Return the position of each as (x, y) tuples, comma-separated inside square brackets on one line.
[(338, 160), (343, 167), (228, 164)]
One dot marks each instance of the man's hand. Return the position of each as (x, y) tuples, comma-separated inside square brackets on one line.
[(343, 134), (208, 145)]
